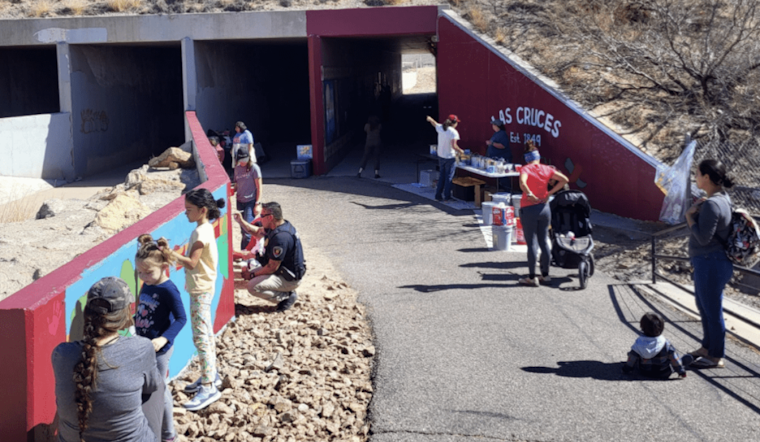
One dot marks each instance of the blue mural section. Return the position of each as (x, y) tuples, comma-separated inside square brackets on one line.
[(122, 264)]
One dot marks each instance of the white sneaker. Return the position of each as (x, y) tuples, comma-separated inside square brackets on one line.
[(195, 386), (205, 397), (531, 282)]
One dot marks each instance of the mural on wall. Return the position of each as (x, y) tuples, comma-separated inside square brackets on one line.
[(93, 121), (122, 264), (330, 123)]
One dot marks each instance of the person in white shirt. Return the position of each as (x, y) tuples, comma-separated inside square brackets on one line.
[(447, 148)]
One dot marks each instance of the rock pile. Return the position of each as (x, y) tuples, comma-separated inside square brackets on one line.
[(302, 375), (64, 228), (173, 158)]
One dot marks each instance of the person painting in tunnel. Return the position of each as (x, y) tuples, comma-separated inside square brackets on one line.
[(372, 146), (243, 137), (447, 148)]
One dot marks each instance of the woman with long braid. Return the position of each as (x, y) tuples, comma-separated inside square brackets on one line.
[(100, 381)]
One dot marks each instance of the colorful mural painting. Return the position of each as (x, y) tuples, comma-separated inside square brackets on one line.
[(50, 310), (122, 264)]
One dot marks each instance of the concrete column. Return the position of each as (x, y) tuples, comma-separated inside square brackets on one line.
[(189, 79), (64, 76), (317, 105)]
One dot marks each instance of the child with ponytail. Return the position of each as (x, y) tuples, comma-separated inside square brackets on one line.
[(100, 380), (160, 314), (200, 264)]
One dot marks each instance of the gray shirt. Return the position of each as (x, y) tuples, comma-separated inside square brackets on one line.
[(126, 371), (713, 221), (373, 135)]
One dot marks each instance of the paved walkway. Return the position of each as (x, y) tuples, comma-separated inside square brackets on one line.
[(466, 354)]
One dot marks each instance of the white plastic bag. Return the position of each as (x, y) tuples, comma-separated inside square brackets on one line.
[(675, 182)]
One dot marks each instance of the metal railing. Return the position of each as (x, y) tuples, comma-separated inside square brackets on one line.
[(673, 232)]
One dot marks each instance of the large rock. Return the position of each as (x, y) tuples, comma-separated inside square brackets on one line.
[(173, 158), (146, 182), (121, 212)]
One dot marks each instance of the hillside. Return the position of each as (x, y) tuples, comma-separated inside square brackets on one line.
[(654, 71)]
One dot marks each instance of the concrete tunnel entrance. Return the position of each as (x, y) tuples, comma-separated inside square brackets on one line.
[(28, 81), (127, 103), (363, 77), (264, 83)]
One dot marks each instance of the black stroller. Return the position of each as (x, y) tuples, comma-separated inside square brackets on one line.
[(571, 233)]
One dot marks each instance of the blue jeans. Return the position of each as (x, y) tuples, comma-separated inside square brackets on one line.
[(535, 223), (712, 272), (505, 184), (446, 174), (247, 209)]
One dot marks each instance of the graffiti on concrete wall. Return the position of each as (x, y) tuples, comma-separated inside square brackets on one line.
[(93, 121)]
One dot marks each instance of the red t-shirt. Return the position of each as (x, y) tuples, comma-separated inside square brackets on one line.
[(538, 178)]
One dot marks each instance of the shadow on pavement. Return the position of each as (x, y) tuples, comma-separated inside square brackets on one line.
[(439, 288), (630, 304), (602, 371)]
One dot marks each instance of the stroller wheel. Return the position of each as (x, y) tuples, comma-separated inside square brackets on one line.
[(591, 265), (583, 273)]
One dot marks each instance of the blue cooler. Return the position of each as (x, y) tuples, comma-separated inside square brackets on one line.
[(300, 168)]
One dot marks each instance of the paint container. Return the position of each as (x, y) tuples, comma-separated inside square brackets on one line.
[(502, 237), (487, 207), (503, 215), (502, 197), (516, 203), (519, 236)]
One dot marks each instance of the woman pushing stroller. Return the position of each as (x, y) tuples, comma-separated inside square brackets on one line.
[(535, 214)]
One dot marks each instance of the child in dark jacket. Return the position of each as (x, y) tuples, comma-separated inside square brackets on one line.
[(160, 314), (652, 354)]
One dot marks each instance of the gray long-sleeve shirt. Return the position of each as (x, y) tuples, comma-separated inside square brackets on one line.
[(126, 371), (713, 221)]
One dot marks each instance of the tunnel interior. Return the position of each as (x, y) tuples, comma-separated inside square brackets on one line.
[(264, 84), (362, 78), (127, 103), (28, 81)]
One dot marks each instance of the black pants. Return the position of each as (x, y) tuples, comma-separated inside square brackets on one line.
[(372, 150)]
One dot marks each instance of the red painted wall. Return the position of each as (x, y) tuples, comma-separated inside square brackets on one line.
[(364, 22), (476, 83), (32, 320)]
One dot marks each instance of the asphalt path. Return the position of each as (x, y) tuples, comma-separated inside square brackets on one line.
[(466, 354)]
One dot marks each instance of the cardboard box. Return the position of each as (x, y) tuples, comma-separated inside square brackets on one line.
[(304, 152), (467, 189), (428, 178)]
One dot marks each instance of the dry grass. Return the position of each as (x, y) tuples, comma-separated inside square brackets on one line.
[(41, 8), (500, 37), (19, 210), (394, 2), (77, 7), (478, 19), (123, 5)]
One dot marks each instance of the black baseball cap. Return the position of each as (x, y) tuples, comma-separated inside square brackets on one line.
[(242, 153), (109, 295)]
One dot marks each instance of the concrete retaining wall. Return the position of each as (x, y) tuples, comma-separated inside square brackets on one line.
[(37, 146), (49, 311)]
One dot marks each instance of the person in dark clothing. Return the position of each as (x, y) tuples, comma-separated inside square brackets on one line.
[(652, 354), (498, 147), (160, 314), (372, 146), (282, 265)]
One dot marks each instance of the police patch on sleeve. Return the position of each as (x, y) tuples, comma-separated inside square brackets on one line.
[(277, 251)]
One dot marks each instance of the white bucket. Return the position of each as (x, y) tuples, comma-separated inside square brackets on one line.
[(516, 203), (487, 208), (502, 237), (502, 197)]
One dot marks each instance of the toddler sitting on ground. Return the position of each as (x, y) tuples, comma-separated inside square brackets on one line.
[(652, 354)]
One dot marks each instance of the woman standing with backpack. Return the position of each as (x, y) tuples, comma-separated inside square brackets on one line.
[(710, 223)]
